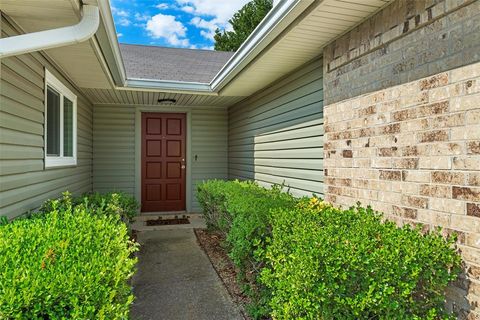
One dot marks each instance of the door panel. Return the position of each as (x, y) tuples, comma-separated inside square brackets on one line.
[(163, 162)]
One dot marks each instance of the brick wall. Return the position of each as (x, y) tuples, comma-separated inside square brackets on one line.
[(402, 124), (408, 40), (413, 152)]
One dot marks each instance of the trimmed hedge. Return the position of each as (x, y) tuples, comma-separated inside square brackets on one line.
[(314, 261), (68, 262), (113, 203), (241, 210)]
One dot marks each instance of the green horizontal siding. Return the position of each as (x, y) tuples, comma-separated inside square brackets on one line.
[(114, 147), (276, 135), (24, 183)]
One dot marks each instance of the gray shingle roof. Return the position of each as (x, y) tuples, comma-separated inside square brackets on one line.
[(161, 63)]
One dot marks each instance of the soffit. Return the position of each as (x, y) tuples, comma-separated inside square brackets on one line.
[(302, 41), (150, 98), (79, 62)]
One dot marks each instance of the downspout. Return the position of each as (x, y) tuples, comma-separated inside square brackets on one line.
[(48, 39)]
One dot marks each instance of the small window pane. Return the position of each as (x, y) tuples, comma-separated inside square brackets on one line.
[(67, 127), (53, 123)]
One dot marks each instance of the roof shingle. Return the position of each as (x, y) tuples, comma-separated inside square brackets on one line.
[(177, 64)]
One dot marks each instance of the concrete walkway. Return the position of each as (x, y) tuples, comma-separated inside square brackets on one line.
[(175, 280)]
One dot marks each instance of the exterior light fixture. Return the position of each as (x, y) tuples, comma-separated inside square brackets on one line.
[(167, 101)]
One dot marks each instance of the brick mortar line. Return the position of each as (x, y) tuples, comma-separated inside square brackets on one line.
[(383, 45)]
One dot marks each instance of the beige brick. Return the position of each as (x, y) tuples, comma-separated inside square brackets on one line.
[(415, 176), (435, 81), (425, 216), (446, 148), (405, 163), (471, 132), (470, 254), (419, 150), (390, 197), (464, 73), (466, 163), (473, 179), (473, 117), (389, 129), (473, 209), (438, 94), (448, 177), (440, 219), (452, 120), (473, 240), (367, 111), (435, 163), (365, 152), (406, 187), (404, 212), (433, 136), (466, 193), (415, 202), (390, 175), (415, 125), (473, 147), (464, 223), (437, 191), (382, 163), (465, 103), (448, 206)]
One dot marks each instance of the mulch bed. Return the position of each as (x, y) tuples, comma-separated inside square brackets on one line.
[(211, 243)]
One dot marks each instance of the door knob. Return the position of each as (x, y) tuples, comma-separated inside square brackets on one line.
[(183, 166)]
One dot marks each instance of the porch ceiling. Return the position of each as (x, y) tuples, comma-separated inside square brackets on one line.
[(150, 98), (302, 41), (79, 61)]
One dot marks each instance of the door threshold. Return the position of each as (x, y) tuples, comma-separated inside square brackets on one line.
[(164, 213)]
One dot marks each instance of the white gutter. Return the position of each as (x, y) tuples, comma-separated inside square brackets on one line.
[(111, 32), (48, 39), (168, 86)]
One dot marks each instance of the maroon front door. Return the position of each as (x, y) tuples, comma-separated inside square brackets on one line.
[(163, 162)]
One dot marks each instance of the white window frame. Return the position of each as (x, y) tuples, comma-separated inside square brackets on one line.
[(60, 161)]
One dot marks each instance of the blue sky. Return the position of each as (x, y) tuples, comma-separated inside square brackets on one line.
[(172, 23)]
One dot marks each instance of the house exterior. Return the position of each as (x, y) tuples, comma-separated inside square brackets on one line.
[(374, 101)]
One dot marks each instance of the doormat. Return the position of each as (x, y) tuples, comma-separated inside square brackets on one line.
[(167, 221)]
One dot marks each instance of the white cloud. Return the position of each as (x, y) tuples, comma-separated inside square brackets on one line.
[(141, 17), (220, 10), (188, 9), (124, 22), (168, 28), (207, 34), (119, 12), (162, 6), (119, 35), (211, 14)]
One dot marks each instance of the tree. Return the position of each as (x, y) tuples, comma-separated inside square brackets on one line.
[(244, 21)]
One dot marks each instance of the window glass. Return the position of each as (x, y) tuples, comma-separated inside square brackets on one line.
[(53, 122), (67, 127)]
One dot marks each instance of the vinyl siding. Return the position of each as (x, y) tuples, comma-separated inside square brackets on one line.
[(114, 147), (24, 183), (276, 135)]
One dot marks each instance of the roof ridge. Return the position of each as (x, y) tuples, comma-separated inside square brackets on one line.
[(174, 48)]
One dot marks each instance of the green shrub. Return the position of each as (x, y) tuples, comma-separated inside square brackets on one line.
[(326, 263), (68, 263), (304, 259), (112, 203), (241, 210)]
